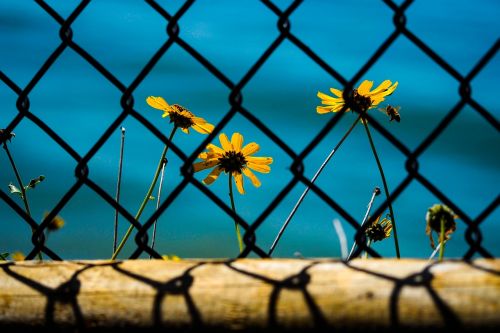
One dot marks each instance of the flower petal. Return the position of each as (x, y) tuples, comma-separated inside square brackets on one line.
[(212, 176), (238, 180), (203, 128), (209, 155), (185, 130), (259, 167), (364, 87), (213, 148), (391, 89), (323, 109), (250, 149), (326, 98), (198, 120), (337, 92), (260, 160), (205, 164), (381, 87), (255, 181), (158, 103), (224, 141), (237, 141)]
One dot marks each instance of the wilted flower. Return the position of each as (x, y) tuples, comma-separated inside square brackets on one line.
[(363, 97), (436, 215), (180, 116), (379, 230), (233, 160)]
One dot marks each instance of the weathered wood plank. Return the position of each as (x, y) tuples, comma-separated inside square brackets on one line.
[(250, 293)]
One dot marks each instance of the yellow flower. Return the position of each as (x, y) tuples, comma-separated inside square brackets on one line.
[(363, 97), (234, 160), (56, 223), (171, 257), (180, 116), (18, 256)]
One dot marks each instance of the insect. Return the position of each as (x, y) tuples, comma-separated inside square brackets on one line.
[(392, 112)]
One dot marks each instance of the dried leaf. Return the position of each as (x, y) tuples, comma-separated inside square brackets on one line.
[(14, 190)]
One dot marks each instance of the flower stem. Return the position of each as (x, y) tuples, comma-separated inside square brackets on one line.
[(313, 179), (368, 243), (376, 191), (441, 241), (21, 187), (433, 254), (118, 187), (238, 234), (158, 199), (386, 189), (146, 197)]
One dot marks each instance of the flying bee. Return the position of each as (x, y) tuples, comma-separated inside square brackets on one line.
[(392, 112)]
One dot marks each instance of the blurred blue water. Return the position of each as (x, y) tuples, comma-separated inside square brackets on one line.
[(79, 104)]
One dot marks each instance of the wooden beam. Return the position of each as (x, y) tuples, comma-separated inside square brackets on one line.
[(250, 294)]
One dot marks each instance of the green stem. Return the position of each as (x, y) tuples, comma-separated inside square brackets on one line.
[(386, 189), (118, 187), (441, 241), (146, 198), (158, 200), (238, 234), (21, 187), (368, 244)]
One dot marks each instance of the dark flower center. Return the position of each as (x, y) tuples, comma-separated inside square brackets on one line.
[(232, 161), (376, 232), (359, 102), (179, 119)]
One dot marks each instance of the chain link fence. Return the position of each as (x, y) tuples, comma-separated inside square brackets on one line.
[(473, 234)]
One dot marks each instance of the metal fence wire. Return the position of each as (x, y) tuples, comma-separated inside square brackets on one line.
[(473, 234)]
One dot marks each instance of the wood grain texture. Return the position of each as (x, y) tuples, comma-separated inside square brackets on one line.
[(252, 293)]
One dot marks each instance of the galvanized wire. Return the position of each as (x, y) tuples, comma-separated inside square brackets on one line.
[(473, 234)]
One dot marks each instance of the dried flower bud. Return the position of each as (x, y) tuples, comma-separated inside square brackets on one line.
[(437, 214)]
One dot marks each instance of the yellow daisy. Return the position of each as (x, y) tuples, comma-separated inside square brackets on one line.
[(363, 97), (180, 116), (233, 160), (56, 223)]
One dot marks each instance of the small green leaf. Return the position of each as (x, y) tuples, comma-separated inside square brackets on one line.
[(4, 256), (14, 190), (34, 182)]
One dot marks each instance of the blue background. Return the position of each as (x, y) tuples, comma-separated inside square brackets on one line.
[(79, 104)]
